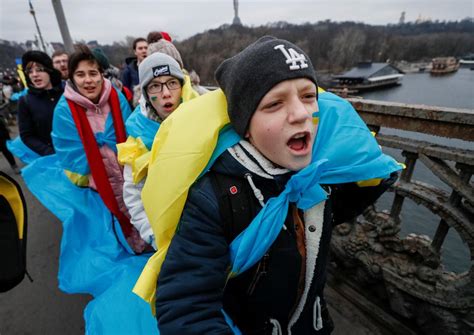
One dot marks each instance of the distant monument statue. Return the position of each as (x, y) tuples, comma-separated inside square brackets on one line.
[(236, 21), (402, 18)]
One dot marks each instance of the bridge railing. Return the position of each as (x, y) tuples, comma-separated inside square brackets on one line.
[(408, 273)]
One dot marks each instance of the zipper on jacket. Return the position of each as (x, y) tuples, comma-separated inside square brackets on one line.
[(259, 273)]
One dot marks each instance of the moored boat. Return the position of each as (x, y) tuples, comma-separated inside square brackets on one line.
[(443, 65)]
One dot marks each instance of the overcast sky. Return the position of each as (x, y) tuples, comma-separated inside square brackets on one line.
[(112, 20)]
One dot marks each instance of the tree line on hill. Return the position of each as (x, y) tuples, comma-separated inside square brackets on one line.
[(332, 46)]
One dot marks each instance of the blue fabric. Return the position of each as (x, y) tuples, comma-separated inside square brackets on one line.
[(68, 144), (344, 151), (139, 126), (92, 260), (231, 323), (16, 96), (21, 151)]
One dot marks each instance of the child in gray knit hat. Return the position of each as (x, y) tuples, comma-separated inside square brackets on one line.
[(161, 80)]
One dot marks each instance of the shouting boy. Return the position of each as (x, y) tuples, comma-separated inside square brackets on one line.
[(251, 248)]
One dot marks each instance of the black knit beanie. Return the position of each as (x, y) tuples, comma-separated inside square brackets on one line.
[(43, 59), (249, 75)]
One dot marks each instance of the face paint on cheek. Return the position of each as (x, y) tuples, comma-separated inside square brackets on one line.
[(153, 98)]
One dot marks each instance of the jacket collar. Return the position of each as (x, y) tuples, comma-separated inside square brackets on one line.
[(243, 158)]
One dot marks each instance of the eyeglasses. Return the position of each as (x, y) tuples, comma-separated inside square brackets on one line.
[(172, 84), (37, 69)]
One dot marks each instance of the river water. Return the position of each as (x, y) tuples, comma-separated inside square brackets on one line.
[(453, 90)]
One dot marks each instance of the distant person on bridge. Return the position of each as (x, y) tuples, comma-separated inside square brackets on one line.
[(130, 73), (60, 63), (252, 243), (35, 109), (89, 121)]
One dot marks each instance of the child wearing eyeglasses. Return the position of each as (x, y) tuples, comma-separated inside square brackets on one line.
[(162, 86)]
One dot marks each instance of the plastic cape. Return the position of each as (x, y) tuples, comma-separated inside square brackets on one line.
[(344, 151), (92, 260), (21, 151), (68, 144)]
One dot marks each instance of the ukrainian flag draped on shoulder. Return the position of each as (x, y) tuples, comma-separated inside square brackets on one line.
[(187, 144), (68, 145), (136, 150)]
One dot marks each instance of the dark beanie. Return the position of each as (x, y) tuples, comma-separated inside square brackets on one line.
[(101, 58), (249, 75), (41, 58)]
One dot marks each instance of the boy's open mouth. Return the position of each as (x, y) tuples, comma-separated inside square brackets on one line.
[(299, 141), (168, 105)]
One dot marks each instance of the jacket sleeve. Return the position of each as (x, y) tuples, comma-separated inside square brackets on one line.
[(193, 276), (26, 126), (350, 200), (132, 197)]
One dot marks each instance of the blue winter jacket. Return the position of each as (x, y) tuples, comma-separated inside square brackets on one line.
[(130, 73)]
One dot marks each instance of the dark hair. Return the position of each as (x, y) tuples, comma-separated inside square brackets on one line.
[(135, 42), (153, 36), (59, 53), (82, 53)]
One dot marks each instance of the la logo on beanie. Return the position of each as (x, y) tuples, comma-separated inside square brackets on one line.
[(162, 70), (293, 57)]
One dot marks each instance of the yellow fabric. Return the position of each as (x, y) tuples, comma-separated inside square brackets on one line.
[(187, 92), (369, 182), (181, 150), (77, 179), (21, 74), (374, 181), (134, 153), (11, 193)]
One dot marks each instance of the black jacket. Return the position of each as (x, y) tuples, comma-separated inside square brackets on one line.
[(130, 73), (35, 118), (192, 288)]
